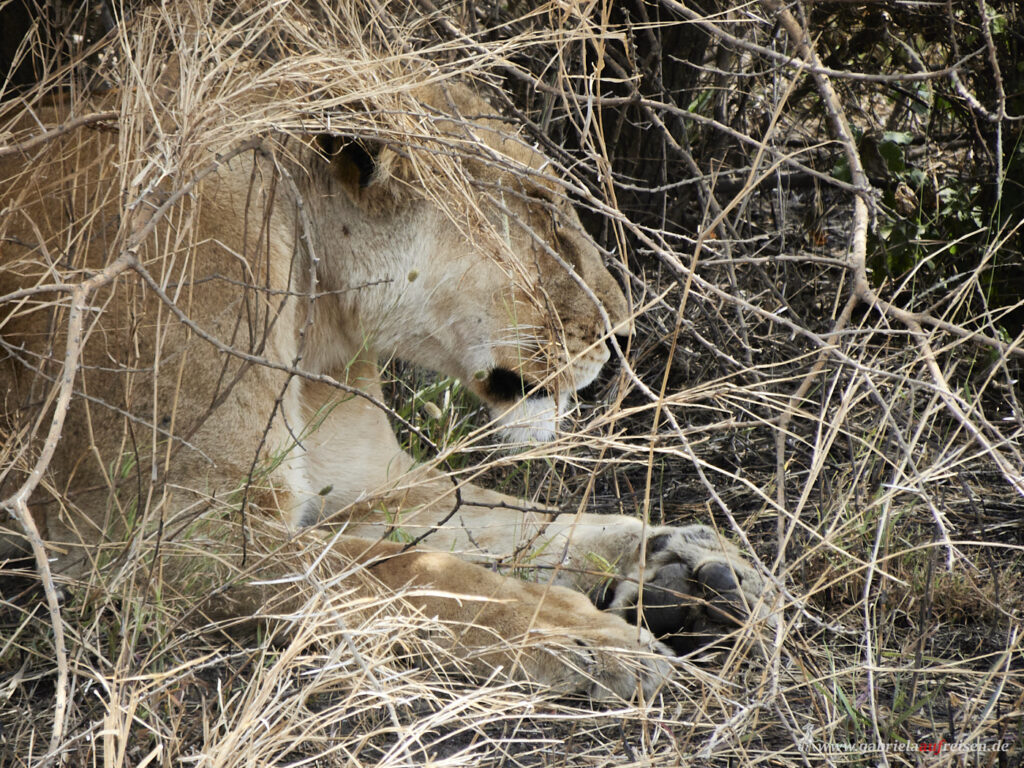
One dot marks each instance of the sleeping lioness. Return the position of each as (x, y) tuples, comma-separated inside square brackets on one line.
[(227, 408)]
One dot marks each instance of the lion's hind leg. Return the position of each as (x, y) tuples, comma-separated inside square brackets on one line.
[(476, 620), (540, 633)]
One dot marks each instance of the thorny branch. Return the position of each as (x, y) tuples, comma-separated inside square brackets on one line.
[(54, 133)]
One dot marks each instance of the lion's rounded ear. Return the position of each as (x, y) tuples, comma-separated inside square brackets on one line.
[(355, 162)]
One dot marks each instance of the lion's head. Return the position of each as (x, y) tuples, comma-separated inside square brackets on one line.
[(502, 287)]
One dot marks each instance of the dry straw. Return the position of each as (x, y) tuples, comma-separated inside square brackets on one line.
[(771, 387)]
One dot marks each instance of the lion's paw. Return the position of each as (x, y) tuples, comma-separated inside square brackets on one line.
[(574, 649), (696, 588), (610, 665)]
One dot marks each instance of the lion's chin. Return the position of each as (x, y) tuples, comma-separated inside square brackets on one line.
[(531, 420)]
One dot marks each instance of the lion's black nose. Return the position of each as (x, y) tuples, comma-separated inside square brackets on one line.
[(622, 339)]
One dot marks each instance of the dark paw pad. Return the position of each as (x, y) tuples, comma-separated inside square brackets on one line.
[(689, 610)]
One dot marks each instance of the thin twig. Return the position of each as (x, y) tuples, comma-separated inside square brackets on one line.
[(55, 133), (17, 503)]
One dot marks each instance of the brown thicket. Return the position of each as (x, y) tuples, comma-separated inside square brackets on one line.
[(817, 210)]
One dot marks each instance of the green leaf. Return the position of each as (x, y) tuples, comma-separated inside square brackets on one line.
[(893, 156), (841, 170)]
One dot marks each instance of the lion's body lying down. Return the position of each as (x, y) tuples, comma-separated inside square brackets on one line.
[(234, 363)]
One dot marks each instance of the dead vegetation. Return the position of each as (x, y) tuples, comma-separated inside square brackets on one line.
[(822, 245)]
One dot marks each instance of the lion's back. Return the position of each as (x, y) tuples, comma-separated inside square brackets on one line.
[(164, 377)]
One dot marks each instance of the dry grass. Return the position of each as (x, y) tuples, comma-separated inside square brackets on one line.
[(861, 441)]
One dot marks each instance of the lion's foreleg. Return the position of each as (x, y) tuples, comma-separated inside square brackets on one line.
[(691, 583)]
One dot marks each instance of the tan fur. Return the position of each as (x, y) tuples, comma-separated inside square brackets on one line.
[(169, 431)]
